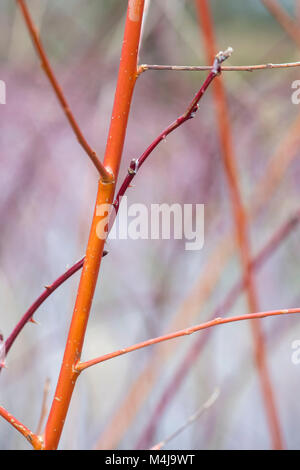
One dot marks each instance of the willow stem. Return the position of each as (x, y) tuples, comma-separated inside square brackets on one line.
[(35, 440), (123, 96), (80, 366)]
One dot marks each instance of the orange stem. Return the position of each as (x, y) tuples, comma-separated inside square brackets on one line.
[(35, 440), (187, 331), (125, 85), (297, 11), (240, 219), (59, 92), (290, 26)]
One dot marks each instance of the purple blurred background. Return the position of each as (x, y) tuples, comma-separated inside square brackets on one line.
[(48, 189)]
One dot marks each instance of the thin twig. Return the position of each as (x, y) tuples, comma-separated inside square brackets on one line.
[(211, 400), (189, 113), (38, 302), (105, 173), (35, 440), (80, 366), (241, 226), (225, 68), (44, 408), (32, 309)]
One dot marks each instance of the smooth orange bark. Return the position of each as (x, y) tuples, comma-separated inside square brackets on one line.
[(185, 332), (125, 85)]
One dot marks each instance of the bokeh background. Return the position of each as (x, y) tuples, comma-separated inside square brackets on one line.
[(47, 196)]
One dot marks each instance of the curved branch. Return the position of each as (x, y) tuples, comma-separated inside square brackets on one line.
[(32, 309), (187, 331), (38, 302), (189, 113), (44, 408), (195, 416), (35, 440)]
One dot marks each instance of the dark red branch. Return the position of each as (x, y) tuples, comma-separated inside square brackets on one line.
[(136, 164)]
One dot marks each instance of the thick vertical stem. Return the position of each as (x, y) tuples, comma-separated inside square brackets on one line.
[(240, 219), (126, 81), (125, 85)]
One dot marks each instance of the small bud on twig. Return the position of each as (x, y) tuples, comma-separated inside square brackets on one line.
[(220, 58)]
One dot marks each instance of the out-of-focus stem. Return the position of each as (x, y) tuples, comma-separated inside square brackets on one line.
[(241, 228), (211, 401), (125, 85), (38, 302), (32, 309), (284, 19), (44, 408)]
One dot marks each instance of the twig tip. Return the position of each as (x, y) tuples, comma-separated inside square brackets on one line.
[(220, 58), (223, 55)]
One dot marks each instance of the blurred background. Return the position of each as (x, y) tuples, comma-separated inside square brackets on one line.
[(47, 196)]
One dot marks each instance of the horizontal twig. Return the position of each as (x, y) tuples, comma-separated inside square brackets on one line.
[(29, 313), (35, 440), (187, 331), (226, 68), (211, 400), (38, 302)]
